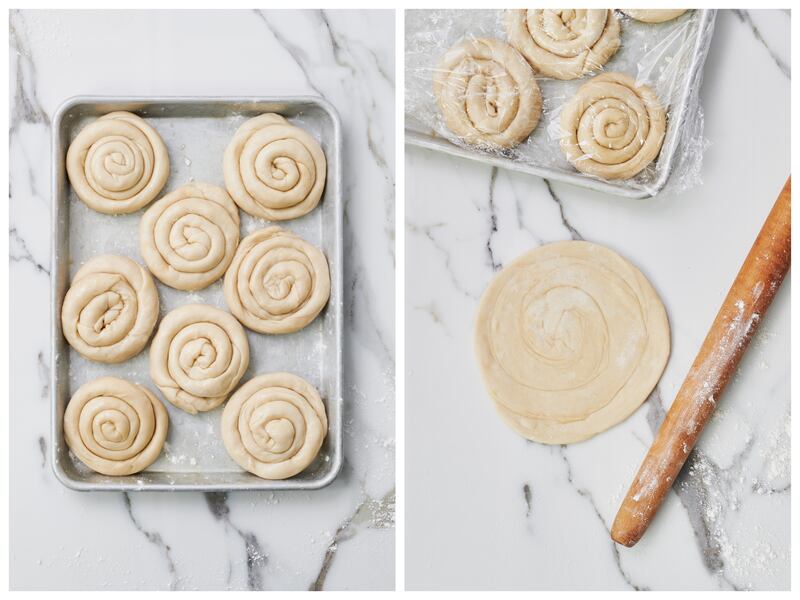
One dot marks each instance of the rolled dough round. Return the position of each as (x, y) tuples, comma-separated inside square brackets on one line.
[(110, 309), (273, 169), (277, 282), (570, 339), (118, 163), (564, 43), (487, 93), (274, 425), (197, 357), (612, 127), (189, 236), (115, 427), (654, 15)]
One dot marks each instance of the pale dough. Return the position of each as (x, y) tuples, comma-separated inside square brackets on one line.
[(654, 15), (197, 357), (612, 128), (570, 339), (274, 425), (487, 93), (110, 309), (273, 169), (564, 43), (118, 163), (277, 282), (115, 427), (189, 236)]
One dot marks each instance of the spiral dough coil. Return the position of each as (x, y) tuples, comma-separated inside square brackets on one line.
[(487, 93), (274, 425), (570, 340), (110, 309), (273, 169), (197, 357), (117, 164), (188, 238), (565, 43), (115, 427), (612, 128), (277, 282)]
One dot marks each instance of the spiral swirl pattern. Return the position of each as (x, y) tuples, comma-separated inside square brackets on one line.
[(197, 357), (274, 425), (564, 43), (188, 238), (110, 309), (487, 93), (115, 427), (117, 164), (654, 15), (612, 128), (277, 282), (273, 169), (570, 340)]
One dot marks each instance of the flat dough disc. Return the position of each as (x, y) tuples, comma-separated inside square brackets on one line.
[(654, 15), (570, 339)]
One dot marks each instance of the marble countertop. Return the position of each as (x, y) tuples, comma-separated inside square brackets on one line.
[(340, 537), (487, 509)]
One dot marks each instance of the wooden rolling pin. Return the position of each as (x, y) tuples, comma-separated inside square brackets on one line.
[(741, 312)]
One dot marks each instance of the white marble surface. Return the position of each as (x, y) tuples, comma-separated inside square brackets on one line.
[(338, 537), (487, 509)]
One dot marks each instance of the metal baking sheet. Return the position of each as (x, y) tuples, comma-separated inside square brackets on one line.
[(418, 134), (196, 132)]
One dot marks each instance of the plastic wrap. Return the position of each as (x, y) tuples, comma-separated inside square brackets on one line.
[(666, 57)]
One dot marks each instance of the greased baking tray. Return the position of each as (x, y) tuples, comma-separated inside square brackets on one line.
[(196, 132), (699, 30)]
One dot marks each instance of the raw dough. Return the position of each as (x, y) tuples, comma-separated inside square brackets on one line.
[(487, 93), (273, 169), (197, 357), (188, 238), (564, 43), (117, 164), (115, 427), (654, 15), (274, 425), (110, 309), (570, 340), (612, 127), (277, 282)]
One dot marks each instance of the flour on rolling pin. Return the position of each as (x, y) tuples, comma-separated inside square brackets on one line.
[(717, 360)]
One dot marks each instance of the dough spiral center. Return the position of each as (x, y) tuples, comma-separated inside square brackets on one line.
[(115, 427), (487, 93), (274, 425), (612, 127), (188, 238), (277, 282), (198, 355), (118, 163)]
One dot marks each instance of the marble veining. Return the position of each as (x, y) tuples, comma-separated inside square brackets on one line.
[(550, 509), (341, 537)]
